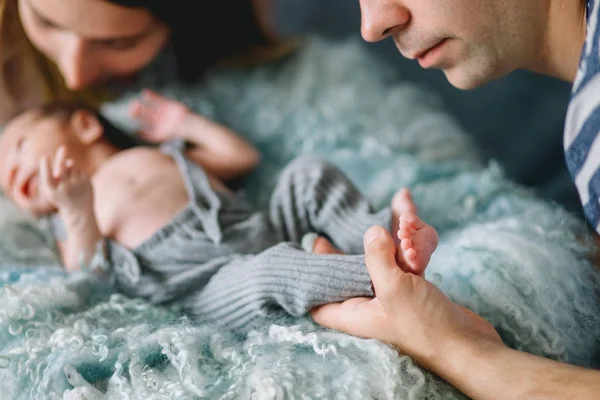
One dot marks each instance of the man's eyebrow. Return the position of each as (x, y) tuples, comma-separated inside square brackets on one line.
[(45, 20)]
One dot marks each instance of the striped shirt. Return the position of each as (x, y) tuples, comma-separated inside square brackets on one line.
[(582, 127)]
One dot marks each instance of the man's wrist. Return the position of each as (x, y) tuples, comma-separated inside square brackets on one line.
[(487, 369), (463, 357), (478, 367)]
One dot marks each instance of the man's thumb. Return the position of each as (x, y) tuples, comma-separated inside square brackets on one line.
[(380, 257)]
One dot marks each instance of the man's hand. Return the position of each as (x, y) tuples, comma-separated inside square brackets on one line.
[(67, 187), (162, 119), (407, 312)]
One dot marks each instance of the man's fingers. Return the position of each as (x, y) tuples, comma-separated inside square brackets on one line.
[(380, 257), (357, 316)]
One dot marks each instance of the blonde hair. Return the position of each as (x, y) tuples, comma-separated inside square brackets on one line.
[(27, 77)]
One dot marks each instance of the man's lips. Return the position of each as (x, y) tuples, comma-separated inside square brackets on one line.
[(423, 53)]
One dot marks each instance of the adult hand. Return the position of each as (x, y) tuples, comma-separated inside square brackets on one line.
[(408, 311)]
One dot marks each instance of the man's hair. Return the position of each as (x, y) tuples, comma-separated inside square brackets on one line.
[(65, 110)]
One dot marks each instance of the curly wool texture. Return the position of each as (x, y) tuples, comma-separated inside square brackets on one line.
[(503, 253)]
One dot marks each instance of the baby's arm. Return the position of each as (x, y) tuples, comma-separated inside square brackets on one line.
[(219, 150), (71, 191), (83, 236)]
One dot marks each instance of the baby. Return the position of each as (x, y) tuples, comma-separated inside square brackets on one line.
[(163, 224)]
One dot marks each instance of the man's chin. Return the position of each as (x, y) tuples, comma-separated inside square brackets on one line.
[(465, 81), (471, 75)]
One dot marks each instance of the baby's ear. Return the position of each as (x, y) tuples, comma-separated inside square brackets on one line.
[(86, 126)]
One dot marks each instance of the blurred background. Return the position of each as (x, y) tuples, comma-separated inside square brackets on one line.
[(518, 121)]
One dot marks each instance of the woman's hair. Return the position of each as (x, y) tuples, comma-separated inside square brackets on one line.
[(205, 32), (27, 77)]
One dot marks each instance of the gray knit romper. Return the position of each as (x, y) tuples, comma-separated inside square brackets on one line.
[(225, 263)]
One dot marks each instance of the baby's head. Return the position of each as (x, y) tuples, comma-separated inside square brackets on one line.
[(38, 133)]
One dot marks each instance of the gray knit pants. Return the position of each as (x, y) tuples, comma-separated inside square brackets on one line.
[(229, 265), (311, 196)]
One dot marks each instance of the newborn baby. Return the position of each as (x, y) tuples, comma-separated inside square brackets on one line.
[(163, 224)]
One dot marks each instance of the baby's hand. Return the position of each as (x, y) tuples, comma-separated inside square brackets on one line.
[(161, 118), (68, 188)]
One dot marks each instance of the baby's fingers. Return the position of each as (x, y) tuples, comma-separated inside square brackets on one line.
[(59, 165), (147, 132), (152, 98), (142, 111), (77, 178), (47, 181)]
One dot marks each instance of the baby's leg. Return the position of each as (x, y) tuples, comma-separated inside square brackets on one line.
[(284, 278), (418, 240), (324, 246), (314, 243), (314, 196), (401, 202)]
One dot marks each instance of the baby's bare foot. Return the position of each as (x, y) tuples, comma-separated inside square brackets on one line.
[(324, 246), (313, 243), (401, 202), (418, 241)]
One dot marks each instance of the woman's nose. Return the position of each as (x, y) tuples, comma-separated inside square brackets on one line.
[(76, 64)]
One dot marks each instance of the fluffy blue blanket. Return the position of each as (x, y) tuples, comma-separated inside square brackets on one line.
[(518, 261)]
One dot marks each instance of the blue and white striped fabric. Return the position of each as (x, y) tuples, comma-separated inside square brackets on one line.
[(582, 128)]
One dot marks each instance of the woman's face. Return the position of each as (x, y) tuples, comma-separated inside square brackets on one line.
[(93, 41)]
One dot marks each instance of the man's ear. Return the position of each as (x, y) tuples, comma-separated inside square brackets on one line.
[(86, 126)]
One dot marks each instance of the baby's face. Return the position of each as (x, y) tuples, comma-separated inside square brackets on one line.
[(25, 141)]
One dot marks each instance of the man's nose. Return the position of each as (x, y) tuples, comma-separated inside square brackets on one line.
[(382, 18)]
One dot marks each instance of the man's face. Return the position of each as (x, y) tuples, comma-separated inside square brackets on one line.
[(472, 41)]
